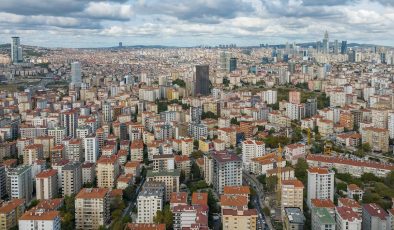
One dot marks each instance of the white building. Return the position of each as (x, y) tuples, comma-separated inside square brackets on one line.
[(76, 73), (58, 133), (46, 184), (320, 184), (40, 220), (21, 183), (251, 149), (149, 201), (91, 148), (347, 219), (269, 96)]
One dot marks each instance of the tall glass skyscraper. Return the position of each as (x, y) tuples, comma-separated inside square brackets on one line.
[(344, 47), (76, 73), (202, 80), (326, 44), (16, 50)]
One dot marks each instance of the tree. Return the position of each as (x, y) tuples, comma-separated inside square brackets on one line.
[(181, 83), (300, 170), (271, 181), (234, 121), (164, 216), (195, 171), (366, 147), (67, 212), (197, 154), (389, 180), (209, 114)]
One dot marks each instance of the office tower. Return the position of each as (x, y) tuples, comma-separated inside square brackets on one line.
[(76, 73), (326, 43), (383, 58), (92, 208), (336, 47), (149, 201), (227, 170), (120, 44), (202, 80), (344, 47), (352, 56), (69, 120), (107, 169), (224, 60), (318, 47), (46, 184), (107, 112), (16, 50), (233, 64), (320, 184), (71, 178), (21, 183), (91, 148)]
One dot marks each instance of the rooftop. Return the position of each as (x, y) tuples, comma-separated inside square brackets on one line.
[(295, 215)]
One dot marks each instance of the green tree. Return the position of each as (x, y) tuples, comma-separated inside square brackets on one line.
[(271, 181), (181, 83), (234, 121), (195, 171), (164, 217), (209, 114), (300, 170)]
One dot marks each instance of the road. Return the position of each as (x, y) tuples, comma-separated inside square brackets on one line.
[(258, 187)]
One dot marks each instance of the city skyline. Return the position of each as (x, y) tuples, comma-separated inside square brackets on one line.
[(88, 24)]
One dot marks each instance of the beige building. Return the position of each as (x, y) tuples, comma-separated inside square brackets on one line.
[(46, 184), (107, 171), (292, 194), (377, 138), (92, 208), (10, 213), (32, 153), (239, 219), (169, 178)]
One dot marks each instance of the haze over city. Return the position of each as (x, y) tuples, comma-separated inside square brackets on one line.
[(86, 23)]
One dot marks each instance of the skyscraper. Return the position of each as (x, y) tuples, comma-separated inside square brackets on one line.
[(326, 44), (202, 80), (336, 47), (16, 50), (233, 64), (344, 47), (76, 73)]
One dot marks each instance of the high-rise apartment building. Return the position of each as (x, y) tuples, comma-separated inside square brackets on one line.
[(107, 171), (92, 208), (46, 184), (292, 194), (40, 220), (20, 182), (251, 149), (91, 146), (69, 120), (227, 170), (71, 178), (320, 184), (149, 201)]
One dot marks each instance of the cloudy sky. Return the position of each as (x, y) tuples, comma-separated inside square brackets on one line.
[(98, 23)]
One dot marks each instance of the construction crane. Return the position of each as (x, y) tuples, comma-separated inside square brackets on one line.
[(279, 173), (327, 148)]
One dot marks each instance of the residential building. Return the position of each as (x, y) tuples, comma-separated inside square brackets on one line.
[(374, 217), (239, 219), (149, 202), (251, 149), (293, 219), (227, 170), (40, 220), (92, 208), (21, 183), (10, 212), (292, 194), (347, 219), (377, 138), (91, 146), (71, 178), (322, 219), (107, 171), (46, 184), (169, 178), (320, 184)]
